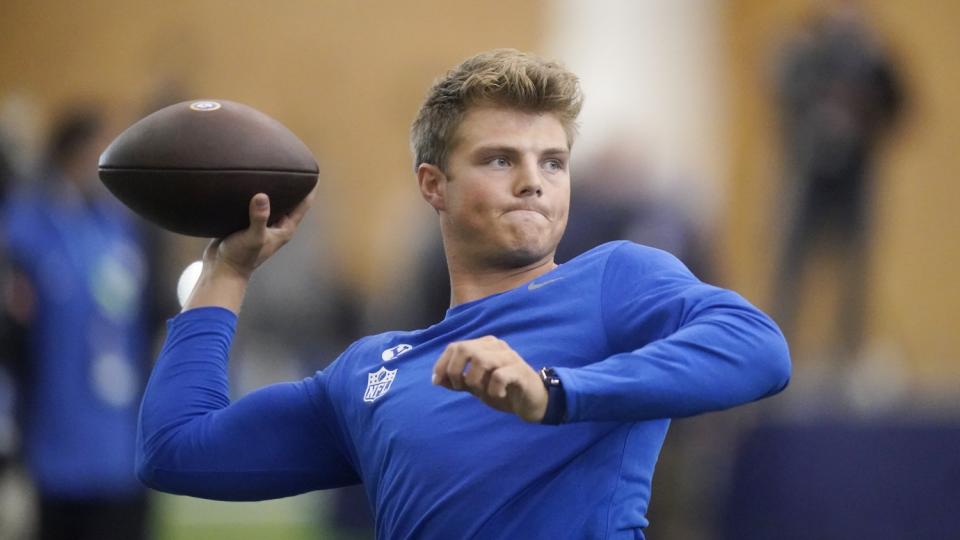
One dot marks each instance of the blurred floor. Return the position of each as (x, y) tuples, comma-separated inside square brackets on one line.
[(305, 517)]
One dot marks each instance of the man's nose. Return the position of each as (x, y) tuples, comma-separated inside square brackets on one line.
[(528, 182)]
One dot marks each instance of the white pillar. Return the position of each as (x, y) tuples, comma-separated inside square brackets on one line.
[(654, 69)]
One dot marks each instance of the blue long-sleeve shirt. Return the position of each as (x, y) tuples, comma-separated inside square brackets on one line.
[(635, 338)]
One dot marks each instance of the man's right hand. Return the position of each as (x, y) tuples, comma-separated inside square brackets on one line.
[(229, 262)]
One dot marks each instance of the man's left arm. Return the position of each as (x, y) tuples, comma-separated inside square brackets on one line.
[(685, 347), (681, 347)]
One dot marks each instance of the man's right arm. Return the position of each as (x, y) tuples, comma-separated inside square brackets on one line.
[(275, 442)]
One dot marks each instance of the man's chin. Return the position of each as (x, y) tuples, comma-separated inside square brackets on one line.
[(520, 257)]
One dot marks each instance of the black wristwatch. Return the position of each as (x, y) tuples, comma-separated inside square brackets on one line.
[(556, 397)]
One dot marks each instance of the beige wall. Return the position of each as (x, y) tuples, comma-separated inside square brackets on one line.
[(346, 76), (913, 276)]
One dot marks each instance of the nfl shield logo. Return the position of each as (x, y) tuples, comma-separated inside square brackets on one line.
[(378, 383)]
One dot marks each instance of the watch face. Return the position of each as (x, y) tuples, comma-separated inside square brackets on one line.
[(549, 377)]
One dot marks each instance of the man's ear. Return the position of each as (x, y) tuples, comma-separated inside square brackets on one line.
[(433, 185)]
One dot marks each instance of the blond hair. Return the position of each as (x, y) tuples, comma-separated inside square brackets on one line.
[(502, 78)]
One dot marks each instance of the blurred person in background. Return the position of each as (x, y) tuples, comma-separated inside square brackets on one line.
[(301, 314), (10, 336), (838, 95), (6, 167), (77, 291), (423, 291), (614, 197)]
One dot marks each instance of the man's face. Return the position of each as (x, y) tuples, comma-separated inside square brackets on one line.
[(507, 188)]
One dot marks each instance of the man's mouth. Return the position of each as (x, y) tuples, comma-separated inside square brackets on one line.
[(525, 210)]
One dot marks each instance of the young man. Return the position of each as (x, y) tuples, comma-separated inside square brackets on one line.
[(627, 337)]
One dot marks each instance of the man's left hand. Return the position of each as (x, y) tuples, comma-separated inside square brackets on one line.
[(493, 372)]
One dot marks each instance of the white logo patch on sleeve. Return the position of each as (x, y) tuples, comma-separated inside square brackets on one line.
[(394, 352)]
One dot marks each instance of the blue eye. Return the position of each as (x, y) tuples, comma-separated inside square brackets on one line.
[(500, 162), (553, 165)]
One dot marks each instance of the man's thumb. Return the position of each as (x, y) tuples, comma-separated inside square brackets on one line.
[(259, 210)]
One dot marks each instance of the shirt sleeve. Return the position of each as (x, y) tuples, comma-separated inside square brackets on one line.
[(275, 442), (681, 347)]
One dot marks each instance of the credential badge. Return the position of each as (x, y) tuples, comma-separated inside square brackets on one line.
[(378, 383)]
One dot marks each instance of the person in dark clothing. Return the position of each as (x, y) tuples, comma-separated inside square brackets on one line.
[(838, 94)]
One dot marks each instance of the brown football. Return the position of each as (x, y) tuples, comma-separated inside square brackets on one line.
[(192, 167)]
